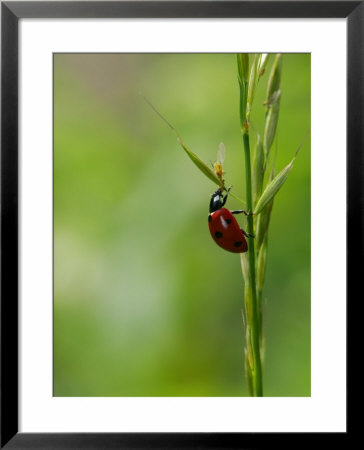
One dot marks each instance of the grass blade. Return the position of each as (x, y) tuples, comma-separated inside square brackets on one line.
[(243, 77), (274, 81), (263, 63), (205, 169), (271, 122), (263, 223), (258, 169), (253, 80), (273, 187)]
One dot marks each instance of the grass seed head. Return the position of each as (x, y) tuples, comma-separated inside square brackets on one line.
[(271, 121), (272, 188), (261, 265), (274, 81), (263, 224), (258, 169), (253, 80), (263, 63)]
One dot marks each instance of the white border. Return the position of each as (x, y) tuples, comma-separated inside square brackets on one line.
[(326, 409)]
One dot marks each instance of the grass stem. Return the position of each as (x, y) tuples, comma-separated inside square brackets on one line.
[(254, 325)]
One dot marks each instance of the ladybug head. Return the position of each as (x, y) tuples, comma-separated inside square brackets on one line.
[(216, 201)]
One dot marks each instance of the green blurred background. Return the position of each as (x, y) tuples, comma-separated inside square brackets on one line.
[(145, 303)]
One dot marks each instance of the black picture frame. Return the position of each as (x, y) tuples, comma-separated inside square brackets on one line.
[(11, 12)]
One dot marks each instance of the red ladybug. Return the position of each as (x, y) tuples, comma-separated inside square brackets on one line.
[(224, 228)]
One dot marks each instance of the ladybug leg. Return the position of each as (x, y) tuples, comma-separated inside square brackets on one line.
[(247, 234), (225, 196), (239, 211)]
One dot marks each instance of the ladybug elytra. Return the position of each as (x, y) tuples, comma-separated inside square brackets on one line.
[(224, 228)]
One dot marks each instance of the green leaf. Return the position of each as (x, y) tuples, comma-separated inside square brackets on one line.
[(245, 267), (258, 168), (261, 265), (248, 300), (263, 224), (205, 169), (253, 80), (243, 76), (274, 81), (275, 96), (271, 121), (272, 103), (263, 63), (273, 187), (248, 372)]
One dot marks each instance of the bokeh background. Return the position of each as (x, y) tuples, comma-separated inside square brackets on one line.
[(145, 303)]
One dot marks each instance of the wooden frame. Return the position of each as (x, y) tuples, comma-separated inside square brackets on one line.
[(353, 11)]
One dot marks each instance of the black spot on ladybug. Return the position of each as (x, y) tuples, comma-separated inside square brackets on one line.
[(218, 234), (238, 244), (228, 220), (210, 218)]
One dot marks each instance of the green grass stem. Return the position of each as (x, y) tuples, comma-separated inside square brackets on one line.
[(254, 325)]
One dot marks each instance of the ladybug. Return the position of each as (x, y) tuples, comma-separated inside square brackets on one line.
[(224, 228)]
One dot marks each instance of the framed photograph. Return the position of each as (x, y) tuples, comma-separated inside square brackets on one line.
[(181, 205)]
